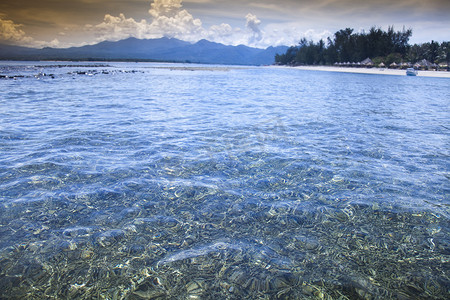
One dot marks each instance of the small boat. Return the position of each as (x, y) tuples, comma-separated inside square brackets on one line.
[(411, 72)]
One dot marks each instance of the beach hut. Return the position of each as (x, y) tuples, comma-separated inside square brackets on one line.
[(405, 65), (382, 65), (426, 65), (368, 63), (393, 65)]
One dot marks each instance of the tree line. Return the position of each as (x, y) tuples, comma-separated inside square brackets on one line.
[(379, 45)]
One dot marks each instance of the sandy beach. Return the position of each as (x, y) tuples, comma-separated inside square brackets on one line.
[(442, 74)]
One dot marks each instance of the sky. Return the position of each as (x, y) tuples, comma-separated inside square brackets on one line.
[(263, 23)]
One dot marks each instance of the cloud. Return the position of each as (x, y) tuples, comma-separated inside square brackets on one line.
[(168, 19), (311, 34), (288, 34), (117, 28), (253, 24), (168, 8), (258, 23), (11, 33)]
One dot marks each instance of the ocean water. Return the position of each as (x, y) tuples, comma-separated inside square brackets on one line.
[(169, 181)]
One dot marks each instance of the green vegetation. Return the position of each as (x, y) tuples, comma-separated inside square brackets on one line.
[(385, 48)]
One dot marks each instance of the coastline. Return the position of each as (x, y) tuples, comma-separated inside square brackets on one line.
[(377, 71)]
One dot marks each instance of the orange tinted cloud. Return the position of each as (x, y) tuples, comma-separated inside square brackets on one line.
[(228, 21)]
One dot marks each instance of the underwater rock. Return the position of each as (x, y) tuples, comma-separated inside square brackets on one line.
[(195, 289), (110, 237), (151, 288), (77, 231)]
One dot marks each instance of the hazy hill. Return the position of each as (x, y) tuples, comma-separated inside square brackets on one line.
[(163, 49)]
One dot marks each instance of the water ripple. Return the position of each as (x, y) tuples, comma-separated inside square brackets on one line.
[(133, 181)]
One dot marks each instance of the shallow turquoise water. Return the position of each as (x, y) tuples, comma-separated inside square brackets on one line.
[(146, 181)]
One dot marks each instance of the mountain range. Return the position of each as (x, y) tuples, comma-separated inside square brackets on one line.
[(162, 49)]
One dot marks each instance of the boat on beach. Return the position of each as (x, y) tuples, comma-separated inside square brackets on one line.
[(411, 72)]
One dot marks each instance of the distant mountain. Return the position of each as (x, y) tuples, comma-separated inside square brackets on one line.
[(163, 49), (16, 52)]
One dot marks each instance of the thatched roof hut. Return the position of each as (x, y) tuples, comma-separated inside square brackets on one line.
[(393, 65), (426, 65), (367, 62), (405, 65)]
